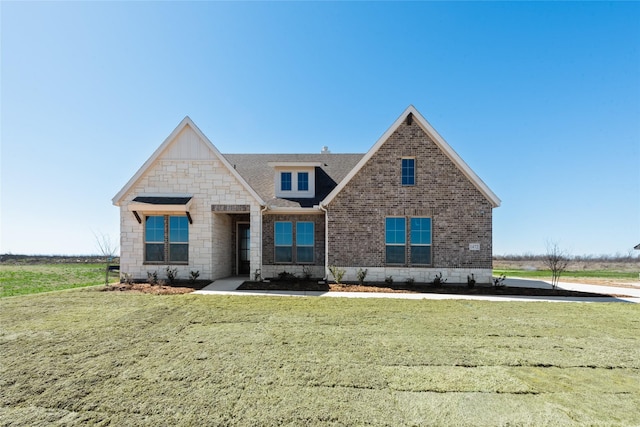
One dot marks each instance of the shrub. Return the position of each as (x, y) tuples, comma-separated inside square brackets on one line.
[(498, 282), (471, 281), (257, 275), (337, 273), (126, 278), (172, 274), (437, 280), (410, 281), (286, 276), (152, 277), (193, 276), (361, 275), (388, 280), (306, 272)]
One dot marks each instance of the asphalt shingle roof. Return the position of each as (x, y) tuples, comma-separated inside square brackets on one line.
[(254, 168)]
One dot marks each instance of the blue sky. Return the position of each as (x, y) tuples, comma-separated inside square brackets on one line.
[(541, 99)]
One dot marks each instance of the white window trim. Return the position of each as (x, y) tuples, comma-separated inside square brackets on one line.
[(294, 182)]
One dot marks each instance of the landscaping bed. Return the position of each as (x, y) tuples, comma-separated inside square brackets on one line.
[(160, 288), (453, 288)]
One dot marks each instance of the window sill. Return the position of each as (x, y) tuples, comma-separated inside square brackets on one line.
[(165, 263)]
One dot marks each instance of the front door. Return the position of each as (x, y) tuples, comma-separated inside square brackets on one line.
[(243, 248)]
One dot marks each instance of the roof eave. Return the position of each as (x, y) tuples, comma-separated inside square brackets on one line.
[(439, 141)]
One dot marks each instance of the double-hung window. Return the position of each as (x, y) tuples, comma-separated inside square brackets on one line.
[(420, 240), (166, 239), (285, 181), (408, 171), (303, 181), (304, 241), (284, 241), (395, 240)]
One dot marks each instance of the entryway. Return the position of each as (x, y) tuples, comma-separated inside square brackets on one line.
[(243, 244)]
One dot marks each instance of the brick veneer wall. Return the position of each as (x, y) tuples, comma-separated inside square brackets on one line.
[(460, 213), (269, 266)]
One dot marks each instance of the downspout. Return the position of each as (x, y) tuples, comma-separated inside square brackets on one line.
[(326, 241), (262, 211)]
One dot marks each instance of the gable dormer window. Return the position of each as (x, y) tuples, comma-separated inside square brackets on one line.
[(303, 181), (285, 181), (295, 179)]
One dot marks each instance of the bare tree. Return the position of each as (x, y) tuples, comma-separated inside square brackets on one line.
[(556, 260), (108, 249)]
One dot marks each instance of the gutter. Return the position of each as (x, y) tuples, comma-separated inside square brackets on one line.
[(326, 240), (263, 209)]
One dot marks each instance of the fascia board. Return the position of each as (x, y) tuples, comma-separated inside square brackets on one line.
[(117, 199), (366, 157), (456, 159), (440, 142)]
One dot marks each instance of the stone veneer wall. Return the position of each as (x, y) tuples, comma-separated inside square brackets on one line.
[(269, 267), (210, 235), (460, 213)]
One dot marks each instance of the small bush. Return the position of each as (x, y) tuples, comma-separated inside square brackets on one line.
[(306, 272), (257, 275), (498, 282), (152, 277), (287, 277), (172, 274), (437, 280), (337, 273), (388, 280), (193, 276), (126, 278), (410, 281), (471, 281), (362, 274)]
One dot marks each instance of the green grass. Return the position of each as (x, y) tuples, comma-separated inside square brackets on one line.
[(26, 279), (100, 358), (546, 274)]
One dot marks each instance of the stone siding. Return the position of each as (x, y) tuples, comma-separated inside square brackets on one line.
[(460, 214), (211, 234)]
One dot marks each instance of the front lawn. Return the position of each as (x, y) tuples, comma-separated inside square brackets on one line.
[(88, 357)]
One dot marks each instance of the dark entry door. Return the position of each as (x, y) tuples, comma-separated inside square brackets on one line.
[(243, 248)]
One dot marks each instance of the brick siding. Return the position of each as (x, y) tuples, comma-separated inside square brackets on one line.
[(460, 213)]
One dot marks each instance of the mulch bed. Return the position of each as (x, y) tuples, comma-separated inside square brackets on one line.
[(179, 287), (458, 289)]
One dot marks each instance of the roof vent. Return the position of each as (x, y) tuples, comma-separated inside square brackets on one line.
[(325, 150)]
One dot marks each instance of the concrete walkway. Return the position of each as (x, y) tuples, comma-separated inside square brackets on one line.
[(229, 286)]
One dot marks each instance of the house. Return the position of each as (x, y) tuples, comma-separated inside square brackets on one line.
[(408, 208)]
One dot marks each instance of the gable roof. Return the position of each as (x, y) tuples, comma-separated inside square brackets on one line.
[(117, 199), (437, 139), (258, 170)]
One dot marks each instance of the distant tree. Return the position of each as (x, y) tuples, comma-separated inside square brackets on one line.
[(108, 249), (556, 260)]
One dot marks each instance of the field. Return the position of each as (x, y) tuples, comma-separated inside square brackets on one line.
[(85, 357), (594, 271), (25, 278)]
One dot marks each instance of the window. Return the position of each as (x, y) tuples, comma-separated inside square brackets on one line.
[(285, 181), (303, 181), (395, 238), (178, 239), (304, 242), (284, 241), (408, 172), (420, 240), (166, 239), (154, 239)]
